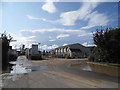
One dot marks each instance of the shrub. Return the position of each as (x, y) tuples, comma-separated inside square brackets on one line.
[(107, 46), (36, 57), (12, 57), (68, 57), (4, 45)]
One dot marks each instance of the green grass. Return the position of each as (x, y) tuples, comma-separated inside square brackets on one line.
[(106, 63), (114, 64)]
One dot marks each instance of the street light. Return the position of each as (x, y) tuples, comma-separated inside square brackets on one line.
[(39, 46)]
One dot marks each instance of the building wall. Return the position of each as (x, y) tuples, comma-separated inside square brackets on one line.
[(65, 51), (85, 51), (62, 52), (34, 49)]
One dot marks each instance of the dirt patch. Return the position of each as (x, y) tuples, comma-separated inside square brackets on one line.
[(106, 69), (96, 83), (57, 61)]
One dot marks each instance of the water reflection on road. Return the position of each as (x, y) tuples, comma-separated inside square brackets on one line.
[(25, 74), (22, 66), (19, 66), (19, 70), (82, 66)]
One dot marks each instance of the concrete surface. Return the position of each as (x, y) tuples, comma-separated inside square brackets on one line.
[(57, 74)]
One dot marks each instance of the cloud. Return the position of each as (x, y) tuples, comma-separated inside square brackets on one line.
[(49, 30), (35, 18), (69, 18), (52, 40), (97, 19), (88, 27), (53, 34), (31, 37), (49, 6), (42, 19), (27, 41), (56, 36), (84, 13), (89, 43), (64, 44), (31, 17), (46, 47), (62, 36), (85, 34), (50, 35)]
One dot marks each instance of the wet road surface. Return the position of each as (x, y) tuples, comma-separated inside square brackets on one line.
[(57, 73)]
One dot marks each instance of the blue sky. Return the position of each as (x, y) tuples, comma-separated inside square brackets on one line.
[(56, 23)]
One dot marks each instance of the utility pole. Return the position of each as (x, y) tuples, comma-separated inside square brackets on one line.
[(28, 50), (39, 46)]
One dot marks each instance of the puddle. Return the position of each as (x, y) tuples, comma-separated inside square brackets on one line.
[(19, 66), (19, 69), (19, 72), (87, 68), (21, 62), (24, 66), (37, 68), (81, 66)]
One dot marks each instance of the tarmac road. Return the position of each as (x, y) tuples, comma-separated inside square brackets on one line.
[(57, 74)]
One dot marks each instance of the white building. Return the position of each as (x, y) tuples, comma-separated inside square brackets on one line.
[(33, 50), (73, 50)]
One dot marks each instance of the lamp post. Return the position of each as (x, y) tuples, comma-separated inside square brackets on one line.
[(28, 50), (39, 46)]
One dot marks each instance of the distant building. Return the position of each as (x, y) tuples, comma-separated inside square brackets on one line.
[(33, 50), (73, 50), (52, 53), (27, 51), (22, 49)]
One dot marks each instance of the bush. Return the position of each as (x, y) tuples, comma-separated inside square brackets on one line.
[(107, 46), (36, 57), (68, 57), (12, 57), (98, 55), (4, 44)]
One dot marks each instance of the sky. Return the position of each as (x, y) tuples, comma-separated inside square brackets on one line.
[(54, 24)]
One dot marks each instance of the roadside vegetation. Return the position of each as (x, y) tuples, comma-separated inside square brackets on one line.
[(107, 48), (5, 47), (36, 57)]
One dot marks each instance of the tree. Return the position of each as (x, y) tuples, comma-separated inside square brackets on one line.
[(5, 47), (107, 45)]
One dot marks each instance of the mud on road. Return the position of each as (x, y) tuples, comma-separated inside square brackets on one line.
[(58, 73)]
